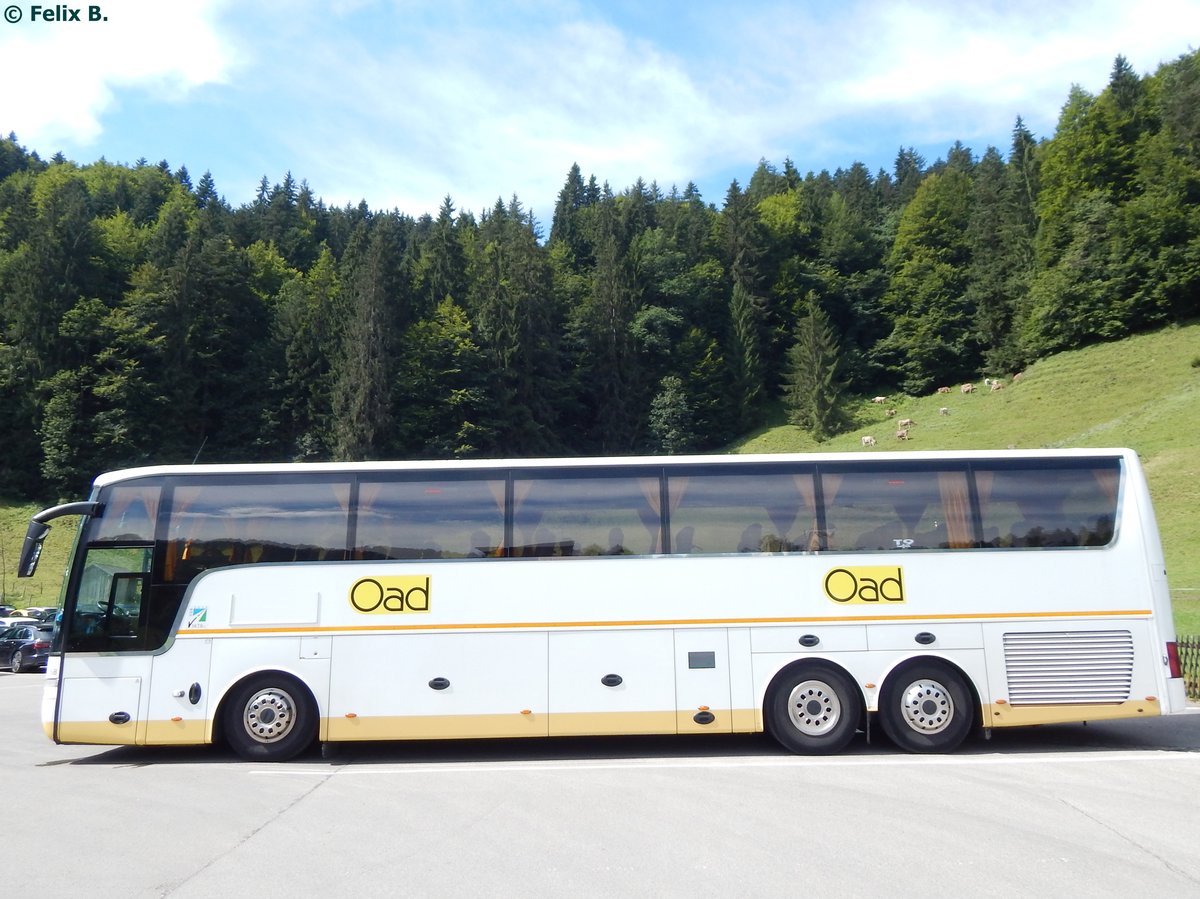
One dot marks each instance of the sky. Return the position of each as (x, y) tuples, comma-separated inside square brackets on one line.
[(402, 103)]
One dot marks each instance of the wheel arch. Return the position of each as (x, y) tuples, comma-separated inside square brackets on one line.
[(903, 665), (221, 701), (805, 664)]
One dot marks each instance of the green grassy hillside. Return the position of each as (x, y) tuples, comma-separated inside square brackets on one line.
[(1143, 393), (42, 589)]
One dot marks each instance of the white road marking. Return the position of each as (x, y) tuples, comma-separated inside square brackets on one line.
[(485, 767)]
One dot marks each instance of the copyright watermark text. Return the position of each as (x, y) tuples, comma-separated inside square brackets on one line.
[(59, 12)]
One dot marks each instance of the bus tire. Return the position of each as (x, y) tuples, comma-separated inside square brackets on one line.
[(926, 707), (813, 708), (270, 717)]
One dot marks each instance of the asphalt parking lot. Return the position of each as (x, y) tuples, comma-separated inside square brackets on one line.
[(1107, 809)]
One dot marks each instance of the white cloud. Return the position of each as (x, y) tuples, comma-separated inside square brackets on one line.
[(401, 102), (940, 68), (480, 106), (993, 57), (481, 114), (61, 77)]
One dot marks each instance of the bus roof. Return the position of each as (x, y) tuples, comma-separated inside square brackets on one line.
[(112, 477)]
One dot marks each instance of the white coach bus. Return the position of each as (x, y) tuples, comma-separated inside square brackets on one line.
[(270, 606)]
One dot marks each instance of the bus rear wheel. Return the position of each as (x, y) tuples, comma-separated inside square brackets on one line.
[(813, 709), (270, 717), (926, 708)]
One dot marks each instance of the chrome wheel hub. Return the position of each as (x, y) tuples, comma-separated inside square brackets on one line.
[(269, 715), (814, 707), (927, 707)]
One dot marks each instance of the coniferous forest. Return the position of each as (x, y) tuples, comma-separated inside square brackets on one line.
[(144, 319)]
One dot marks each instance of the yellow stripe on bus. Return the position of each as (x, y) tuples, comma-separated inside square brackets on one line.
[(1005, 715), (665, 622), (541, 724)]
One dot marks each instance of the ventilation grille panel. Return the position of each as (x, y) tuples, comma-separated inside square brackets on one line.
[(1068, 667)]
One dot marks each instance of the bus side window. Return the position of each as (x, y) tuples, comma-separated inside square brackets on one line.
[(247, 521), (125, 603), (885, 509), (422, 518), (860, 511), (130, 513), (564, 514), (724, 511), (110, 611), (1049, 506)]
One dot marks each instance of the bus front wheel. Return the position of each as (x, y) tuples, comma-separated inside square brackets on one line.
[(926, 708), (814, 709), (270, 717)]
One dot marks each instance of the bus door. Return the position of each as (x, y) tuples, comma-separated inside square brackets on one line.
[(178, 701), (612, 682), (104, 638), (702, 681)]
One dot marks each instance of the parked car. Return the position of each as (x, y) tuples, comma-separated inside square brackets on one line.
[(25, 646), (10, 620), (41, 613)]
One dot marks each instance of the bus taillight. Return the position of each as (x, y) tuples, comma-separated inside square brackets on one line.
[(1176, 670)]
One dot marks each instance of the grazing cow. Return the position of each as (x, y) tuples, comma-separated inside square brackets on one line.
[(889, 412), (997, 384), (967, 388), (943, 390), (905, 423), (902, 434), (1018, 376), (880, 400), (943, 411), (868, 441)]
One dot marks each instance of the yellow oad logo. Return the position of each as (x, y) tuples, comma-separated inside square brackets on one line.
[(868, 584), (390, 595)]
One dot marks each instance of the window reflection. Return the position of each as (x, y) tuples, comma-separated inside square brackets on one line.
[(747, 512), (1048, 507), (430, 519), (111, 612), (213, 525), (897, 509), (586, 516), (130, 512)]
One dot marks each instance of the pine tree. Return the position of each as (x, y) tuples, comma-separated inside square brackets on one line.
[(932, 339), (103, 412), (513, 306), (740, 237), (745, 316), (443, 262), (564, 227), (306, 330), (813, 391), (375, 303), (671, 423), (909, 171), (442, 379), (52, 268), (609, 367)]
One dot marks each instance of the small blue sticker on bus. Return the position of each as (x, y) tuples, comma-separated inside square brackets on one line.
[(197, 617)]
